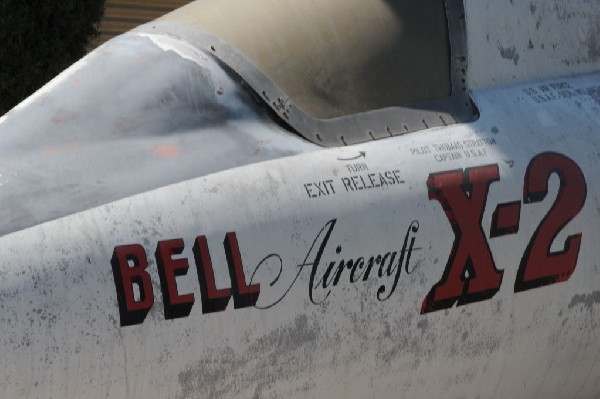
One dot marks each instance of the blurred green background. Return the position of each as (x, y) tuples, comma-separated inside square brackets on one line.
[(39, 40)]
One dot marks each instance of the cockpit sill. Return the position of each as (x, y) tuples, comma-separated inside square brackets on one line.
[(342, 128)]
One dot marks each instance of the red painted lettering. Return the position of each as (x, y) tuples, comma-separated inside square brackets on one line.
[(175, 305), (132, 311), (540, 266), (213, 299), (243, 295), (470, 274)]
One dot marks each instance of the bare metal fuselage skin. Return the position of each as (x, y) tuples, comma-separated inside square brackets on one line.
[(162, 237)]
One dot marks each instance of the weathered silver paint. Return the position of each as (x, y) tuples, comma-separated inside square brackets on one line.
[(60, 329), (59, 320), (516, 40), (130, 117)]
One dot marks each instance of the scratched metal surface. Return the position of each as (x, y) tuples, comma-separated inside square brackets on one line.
[(60, 328), (60, 334), (515, 40), (141, 112)]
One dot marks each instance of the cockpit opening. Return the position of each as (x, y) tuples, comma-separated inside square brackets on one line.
[(340, 71)]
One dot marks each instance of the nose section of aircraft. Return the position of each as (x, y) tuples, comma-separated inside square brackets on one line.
[(138, 113)]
